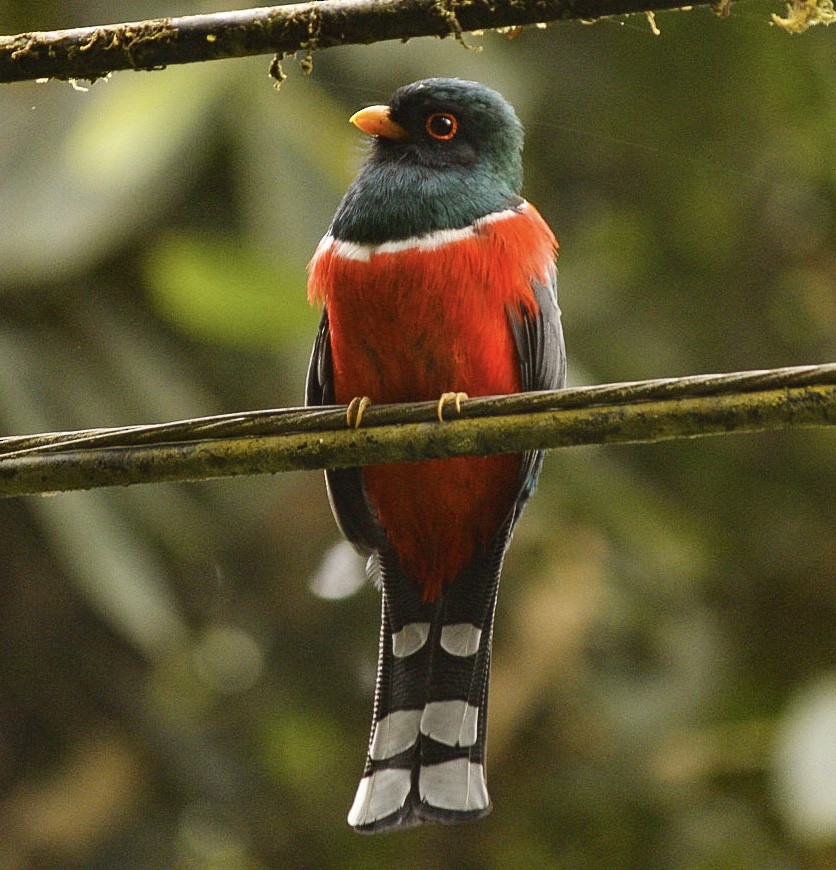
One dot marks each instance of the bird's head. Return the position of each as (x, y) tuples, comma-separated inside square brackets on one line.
[(447, 125), (445, 152)]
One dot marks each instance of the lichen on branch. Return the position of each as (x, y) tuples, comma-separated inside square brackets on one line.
[(89, 53)]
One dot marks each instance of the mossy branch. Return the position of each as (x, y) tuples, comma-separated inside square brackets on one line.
[(270, 441), (92, 52)]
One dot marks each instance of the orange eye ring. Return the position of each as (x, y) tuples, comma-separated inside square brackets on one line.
[(441, 126)]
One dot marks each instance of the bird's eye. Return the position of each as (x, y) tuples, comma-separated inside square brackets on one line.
[(442, 125)]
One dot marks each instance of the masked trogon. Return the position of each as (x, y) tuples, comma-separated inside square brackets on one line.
[(436, 279)]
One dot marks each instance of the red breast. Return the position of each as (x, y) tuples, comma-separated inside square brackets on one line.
[(410, 320)]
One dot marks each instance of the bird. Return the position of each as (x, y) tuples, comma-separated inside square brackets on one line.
[(437, 281)]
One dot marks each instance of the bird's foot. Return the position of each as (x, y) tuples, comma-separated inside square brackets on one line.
[(356, 408), (454, 399)]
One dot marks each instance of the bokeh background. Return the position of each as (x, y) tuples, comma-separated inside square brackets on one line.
[(186, 671)]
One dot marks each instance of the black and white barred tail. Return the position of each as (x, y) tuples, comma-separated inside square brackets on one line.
[(426, 756)]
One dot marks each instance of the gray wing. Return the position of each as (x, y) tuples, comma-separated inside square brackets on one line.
[(348, 500)]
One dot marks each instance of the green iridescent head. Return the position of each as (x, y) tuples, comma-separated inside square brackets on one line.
[(445, 152)]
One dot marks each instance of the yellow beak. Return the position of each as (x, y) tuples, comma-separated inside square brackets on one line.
[(375, 121)]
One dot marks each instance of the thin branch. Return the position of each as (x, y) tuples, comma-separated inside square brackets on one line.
[(270, 441), (93, 52)]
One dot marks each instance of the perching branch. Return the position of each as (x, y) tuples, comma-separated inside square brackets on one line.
[(269, 441), (93, 52)]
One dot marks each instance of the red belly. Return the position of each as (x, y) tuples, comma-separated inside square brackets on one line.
[(410, 326), (437, 513)]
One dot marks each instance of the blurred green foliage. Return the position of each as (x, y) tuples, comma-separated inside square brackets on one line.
[(174, 693), (214, 290)]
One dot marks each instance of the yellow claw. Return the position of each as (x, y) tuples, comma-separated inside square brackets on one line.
[(356, 408), (454, 399)]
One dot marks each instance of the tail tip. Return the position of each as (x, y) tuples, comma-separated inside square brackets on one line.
[(446, 793)]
